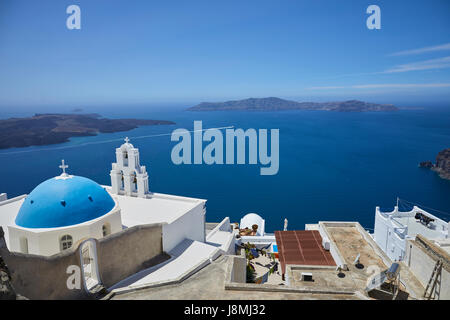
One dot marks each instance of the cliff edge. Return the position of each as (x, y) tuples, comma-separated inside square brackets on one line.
[(442, 165)]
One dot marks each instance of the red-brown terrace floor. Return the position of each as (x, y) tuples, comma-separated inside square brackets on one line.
[(302, 247)]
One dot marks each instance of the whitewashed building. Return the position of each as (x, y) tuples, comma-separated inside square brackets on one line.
[(58, 213), (261, 239), (393, 230), (67, 209)]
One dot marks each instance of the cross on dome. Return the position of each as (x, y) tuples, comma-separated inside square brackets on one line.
[(127, 140), (63, 166)]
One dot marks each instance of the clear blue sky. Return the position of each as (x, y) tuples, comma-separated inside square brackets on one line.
[(144, 51)]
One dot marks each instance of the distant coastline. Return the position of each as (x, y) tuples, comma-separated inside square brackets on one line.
[(45, 129), (277, 104)]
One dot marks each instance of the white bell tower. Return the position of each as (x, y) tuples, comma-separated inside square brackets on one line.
[(128, 177)]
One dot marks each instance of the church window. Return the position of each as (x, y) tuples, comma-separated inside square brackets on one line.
[(106, 229), (66, 242)]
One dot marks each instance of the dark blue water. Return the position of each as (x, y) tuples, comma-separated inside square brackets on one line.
[(333, 166)]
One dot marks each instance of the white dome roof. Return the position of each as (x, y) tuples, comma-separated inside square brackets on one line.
[(127, 145), (250, 219)]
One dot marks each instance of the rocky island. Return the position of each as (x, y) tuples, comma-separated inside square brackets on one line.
[(442, 165), (277, 104), (44, 129)]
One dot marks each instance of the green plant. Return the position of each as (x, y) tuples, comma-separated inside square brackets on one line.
[(251, 274), (272, 256)]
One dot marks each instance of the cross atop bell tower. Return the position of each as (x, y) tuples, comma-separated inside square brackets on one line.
[(128, 177)]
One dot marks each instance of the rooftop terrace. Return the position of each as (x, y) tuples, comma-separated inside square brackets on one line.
[(409, 224), (215, 281), (158, 208)]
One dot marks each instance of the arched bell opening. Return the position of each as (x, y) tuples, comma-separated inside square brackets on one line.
[(134, 183), (122, 181), (125, 158)]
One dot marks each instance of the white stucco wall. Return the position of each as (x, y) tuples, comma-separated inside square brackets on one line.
[(250, 219), (334, 251), (422, 265), (189, 226), (393, 229), (223, 236), (389, 236), (46, 242)]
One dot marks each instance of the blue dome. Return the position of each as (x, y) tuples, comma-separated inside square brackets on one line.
[(60, 202)]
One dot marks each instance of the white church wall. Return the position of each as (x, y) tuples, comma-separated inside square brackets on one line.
[(38, 243), (47, 242), (50, 242), (189, 226), (16, 235), (114, 221)]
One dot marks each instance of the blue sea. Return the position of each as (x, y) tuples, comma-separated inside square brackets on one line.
[(333, 166)]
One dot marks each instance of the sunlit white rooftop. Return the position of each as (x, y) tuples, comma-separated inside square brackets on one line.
[(416, 227), (412, 226), (157, 208)]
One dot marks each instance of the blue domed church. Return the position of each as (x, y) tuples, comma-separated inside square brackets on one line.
[(64, 210), (108, 233)]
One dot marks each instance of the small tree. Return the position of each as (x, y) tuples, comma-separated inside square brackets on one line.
[(249, 248), (251, 274)]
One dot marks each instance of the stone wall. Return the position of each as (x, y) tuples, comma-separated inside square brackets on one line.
[(125, 253), (40, 277), (119, 256), (238, 271)]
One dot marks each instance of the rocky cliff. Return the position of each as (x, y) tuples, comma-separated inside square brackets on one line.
[(6, 290), (442, 165)]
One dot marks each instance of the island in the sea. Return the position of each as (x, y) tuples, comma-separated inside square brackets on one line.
[(44, 129), (277, 104), (442, 165)]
